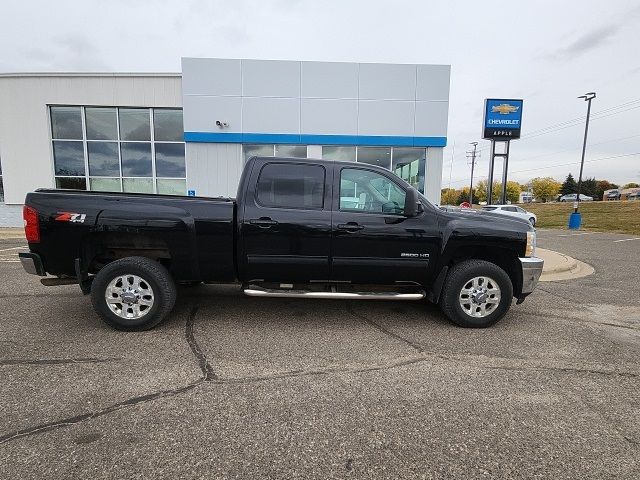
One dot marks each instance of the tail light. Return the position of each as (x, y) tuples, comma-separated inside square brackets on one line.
[(31, 224)]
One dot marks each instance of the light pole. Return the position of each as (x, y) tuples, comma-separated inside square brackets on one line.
[(473, 163), (575, 219)]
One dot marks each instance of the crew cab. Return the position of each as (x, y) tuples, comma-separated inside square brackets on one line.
[(297, 228)]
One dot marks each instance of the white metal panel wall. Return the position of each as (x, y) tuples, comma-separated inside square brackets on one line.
[(214, 169), (25, 149), (433, 176)]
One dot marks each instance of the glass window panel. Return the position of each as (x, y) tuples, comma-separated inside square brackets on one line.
[(167, 125), (372, 192), (345, 154), (288, 185), (136, 159), (295, 151), (257, 151), (380, 156), (66, 122), (78, 183), (409, 164), (137, 185), (101, 123), (170, 160), (134, 124), (105, 184), (68, 158), (171, 187), (103, 159)]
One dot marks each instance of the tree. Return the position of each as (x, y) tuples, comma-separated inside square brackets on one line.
[(513, 191), (569, 186), (545, 188), (448, 196), (631, 185), (590, 187), (602, 186)]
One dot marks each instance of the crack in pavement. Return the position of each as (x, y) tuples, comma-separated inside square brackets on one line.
[(207, 370), (385, 330), (54, 361), (207, 376)]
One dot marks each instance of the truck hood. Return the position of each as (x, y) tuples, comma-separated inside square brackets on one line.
[(482, 221)]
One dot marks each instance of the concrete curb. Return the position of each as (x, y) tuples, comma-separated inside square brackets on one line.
[(558, 266)]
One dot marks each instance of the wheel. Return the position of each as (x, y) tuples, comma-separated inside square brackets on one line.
[(133, 293), (476, 294), (533, 221)]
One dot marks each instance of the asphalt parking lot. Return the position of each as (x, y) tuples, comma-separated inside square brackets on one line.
[(236, 387)]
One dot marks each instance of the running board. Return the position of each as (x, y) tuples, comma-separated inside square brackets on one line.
[(254, 291)]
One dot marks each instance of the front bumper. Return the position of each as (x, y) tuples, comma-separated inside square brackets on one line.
[(531, 271), (32, 263)]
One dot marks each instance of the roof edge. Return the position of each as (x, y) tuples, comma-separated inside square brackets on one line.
[(89, 74)]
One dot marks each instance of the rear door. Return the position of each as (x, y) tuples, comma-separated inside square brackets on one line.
[(286, 224), (373, 242)]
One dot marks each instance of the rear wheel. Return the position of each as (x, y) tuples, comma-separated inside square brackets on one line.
[(133, 293), (476, 294)]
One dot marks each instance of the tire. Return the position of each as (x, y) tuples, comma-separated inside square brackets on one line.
[(459, 278), (532, 221), (152, 297)]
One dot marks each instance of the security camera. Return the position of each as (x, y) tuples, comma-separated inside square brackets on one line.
[(221, 124)]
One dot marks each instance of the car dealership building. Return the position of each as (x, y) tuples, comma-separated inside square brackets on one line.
[(191, 133)]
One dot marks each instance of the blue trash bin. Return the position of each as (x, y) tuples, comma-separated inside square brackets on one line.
[(575, 220)]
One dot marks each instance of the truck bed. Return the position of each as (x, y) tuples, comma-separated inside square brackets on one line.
[(87, 225)]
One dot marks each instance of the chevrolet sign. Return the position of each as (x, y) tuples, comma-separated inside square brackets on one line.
[(502, 119)]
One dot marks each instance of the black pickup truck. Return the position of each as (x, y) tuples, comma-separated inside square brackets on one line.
[(298, 228)]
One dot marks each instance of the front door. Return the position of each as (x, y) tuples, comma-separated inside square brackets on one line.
[(373, 242), (286, 223)]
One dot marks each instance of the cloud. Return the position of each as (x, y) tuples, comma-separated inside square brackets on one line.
[(67, 52), (586, 43)]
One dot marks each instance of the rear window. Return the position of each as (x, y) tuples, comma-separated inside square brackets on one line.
[(287, 185), (489, 208)]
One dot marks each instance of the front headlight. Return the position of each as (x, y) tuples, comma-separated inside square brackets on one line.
[(530, 251)]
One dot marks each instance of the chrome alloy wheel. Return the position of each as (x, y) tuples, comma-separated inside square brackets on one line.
[(129, 296), (480, 297)]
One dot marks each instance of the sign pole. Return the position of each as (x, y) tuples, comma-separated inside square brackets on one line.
[(505, 166), (490, 178)]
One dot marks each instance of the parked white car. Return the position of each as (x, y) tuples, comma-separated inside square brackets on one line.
[(572, 197), (513, 211)]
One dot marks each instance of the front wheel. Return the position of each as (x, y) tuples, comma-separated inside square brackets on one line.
[(133, 293), (476, 294)]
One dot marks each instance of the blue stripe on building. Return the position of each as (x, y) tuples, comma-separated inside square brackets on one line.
[(310, 139)]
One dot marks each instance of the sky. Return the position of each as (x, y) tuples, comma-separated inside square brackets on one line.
[(545, 52)]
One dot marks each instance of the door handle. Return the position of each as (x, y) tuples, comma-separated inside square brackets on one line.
[(263, 222), (350, 227)]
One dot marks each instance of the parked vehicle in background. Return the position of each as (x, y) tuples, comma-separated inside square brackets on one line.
[(513, 211), (612, 195), (298, 228), (572, 197), (634, 196)]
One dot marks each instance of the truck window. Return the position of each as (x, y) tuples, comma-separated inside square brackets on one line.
[(367, 191), (286, 185)]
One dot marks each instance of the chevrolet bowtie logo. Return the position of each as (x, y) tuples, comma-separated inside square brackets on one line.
[(504, 109)]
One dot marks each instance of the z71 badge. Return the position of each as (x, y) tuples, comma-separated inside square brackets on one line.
[(71, 217)]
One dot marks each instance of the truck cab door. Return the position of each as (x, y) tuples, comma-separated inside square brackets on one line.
[(285, 227), (373, 241)]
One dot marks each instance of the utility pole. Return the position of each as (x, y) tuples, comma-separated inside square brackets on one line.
[(472, 155), (575, 219)]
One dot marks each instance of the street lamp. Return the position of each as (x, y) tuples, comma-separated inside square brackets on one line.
[(473, 163), (575, 219)]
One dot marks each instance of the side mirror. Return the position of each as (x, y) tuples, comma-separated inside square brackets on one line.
[(411, 203)]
